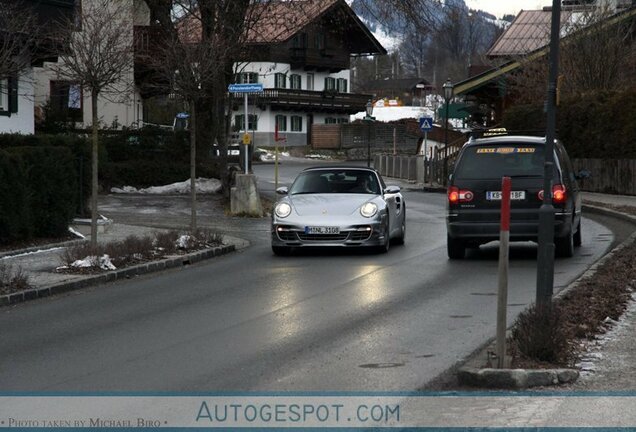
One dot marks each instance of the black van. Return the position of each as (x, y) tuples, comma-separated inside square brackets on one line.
[(474, 194)]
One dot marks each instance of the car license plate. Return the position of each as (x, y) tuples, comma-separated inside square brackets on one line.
[(322, 230), (514, 195)]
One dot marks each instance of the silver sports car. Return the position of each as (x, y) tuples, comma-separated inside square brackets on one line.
[(338, 206)]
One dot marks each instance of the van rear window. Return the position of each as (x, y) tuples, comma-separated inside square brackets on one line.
[(490, 162)]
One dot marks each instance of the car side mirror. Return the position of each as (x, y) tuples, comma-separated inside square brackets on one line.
[(583, 174), (282, 190), (392, 190)]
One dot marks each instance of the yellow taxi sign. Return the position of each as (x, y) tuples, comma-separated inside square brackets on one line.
[(247, 139), (495, 132)]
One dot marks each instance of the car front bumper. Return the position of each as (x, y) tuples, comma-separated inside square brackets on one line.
[(356, 235)]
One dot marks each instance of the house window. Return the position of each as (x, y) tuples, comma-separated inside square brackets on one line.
[(300, 41), (319, 41), (330, 84), (239, 122), (343, 120), (342, 85), (246, 78), (330, 120), (66, 100), (281, 123), (310, 81), (280, 80), (77, 15), (295, 82), (4, 95), (296, 123)]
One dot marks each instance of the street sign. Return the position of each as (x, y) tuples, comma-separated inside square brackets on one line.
[(247, 139), (245, 88), (182, 115), (426, 124)]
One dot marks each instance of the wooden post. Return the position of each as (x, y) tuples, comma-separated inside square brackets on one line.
[(502, 292)]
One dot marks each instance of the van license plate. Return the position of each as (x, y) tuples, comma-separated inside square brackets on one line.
[(514, 195)]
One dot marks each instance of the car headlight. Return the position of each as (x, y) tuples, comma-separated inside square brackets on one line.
[(282, 210), (368, 210)]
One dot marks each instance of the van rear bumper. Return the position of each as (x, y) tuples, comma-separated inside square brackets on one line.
[(484, 232)]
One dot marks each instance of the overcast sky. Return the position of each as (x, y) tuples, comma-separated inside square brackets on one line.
[(500, 8)]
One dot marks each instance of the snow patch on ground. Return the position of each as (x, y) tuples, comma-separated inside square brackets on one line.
[(593, 360), (183, 241), (103, 262), (393, 113), (75, 232), (203, 185)]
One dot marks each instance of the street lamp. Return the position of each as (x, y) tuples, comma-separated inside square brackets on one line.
[(369, 119), (448, 94)]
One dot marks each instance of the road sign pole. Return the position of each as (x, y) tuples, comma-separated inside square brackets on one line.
[(425, 150), (502, 291), (247, 149)]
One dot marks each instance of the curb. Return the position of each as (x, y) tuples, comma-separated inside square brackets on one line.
[(125, 273), (42, 248), (525, 378)]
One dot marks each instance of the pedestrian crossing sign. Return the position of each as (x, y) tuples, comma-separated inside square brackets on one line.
[(426, 124)]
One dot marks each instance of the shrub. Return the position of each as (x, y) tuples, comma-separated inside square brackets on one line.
[(597, 125), (52, 183), (12, 279), (539, 334), (15, 213), (144, 173)]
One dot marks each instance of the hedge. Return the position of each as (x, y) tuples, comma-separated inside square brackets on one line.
[(14, 200), (38, 196), (597, 126)]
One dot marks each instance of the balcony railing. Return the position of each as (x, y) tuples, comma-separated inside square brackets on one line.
[(307, 100)]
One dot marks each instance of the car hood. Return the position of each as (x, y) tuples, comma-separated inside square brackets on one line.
[(328, 204)]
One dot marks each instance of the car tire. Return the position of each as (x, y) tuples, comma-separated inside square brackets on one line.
[(387, 236), (402, 237), (578, 238), (281, 250), (564, 246), (456, 248)]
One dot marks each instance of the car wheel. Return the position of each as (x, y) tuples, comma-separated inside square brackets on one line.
[(578, 235), (387, 239), (281, 250), (402, 237), (456, 248), (564, 246)]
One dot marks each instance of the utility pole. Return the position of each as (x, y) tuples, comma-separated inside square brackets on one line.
[(545, 258)]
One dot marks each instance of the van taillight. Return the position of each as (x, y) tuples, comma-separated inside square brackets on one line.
[(559, 195), (457, 195)]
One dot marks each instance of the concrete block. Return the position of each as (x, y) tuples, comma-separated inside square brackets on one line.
[(244, 197)]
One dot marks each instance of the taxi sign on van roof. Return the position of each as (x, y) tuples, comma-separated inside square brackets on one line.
[(495, 132), (506, 150)]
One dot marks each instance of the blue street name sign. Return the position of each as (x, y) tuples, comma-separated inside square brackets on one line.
[(426, 124), (245, 88)]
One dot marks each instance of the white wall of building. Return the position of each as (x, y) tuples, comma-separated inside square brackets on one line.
[(23, 120), (267, 71), (121, 107)]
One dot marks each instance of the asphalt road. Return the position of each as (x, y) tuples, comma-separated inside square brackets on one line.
[(253, 321)]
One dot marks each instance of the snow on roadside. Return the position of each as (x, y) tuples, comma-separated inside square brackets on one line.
[(103, 262), (203, 186), (75, 232)]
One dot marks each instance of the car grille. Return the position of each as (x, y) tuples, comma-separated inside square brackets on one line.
[(323, 237), (287, 235), (360, 235)]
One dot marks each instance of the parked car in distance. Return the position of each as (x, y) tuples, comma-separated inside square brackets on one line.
[(338, 207), (474, 194)]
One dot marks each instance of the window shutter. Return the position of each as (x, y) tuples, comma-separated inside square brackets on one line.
[(13, 94)]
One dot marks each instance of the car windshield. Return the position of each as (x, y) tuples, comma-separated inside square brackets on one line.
[(336, 181), (496, 161)]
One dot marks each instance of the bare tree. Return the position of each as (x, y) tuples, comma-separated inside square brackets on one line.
[(100, 60), (197, 57), (18, 30)]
